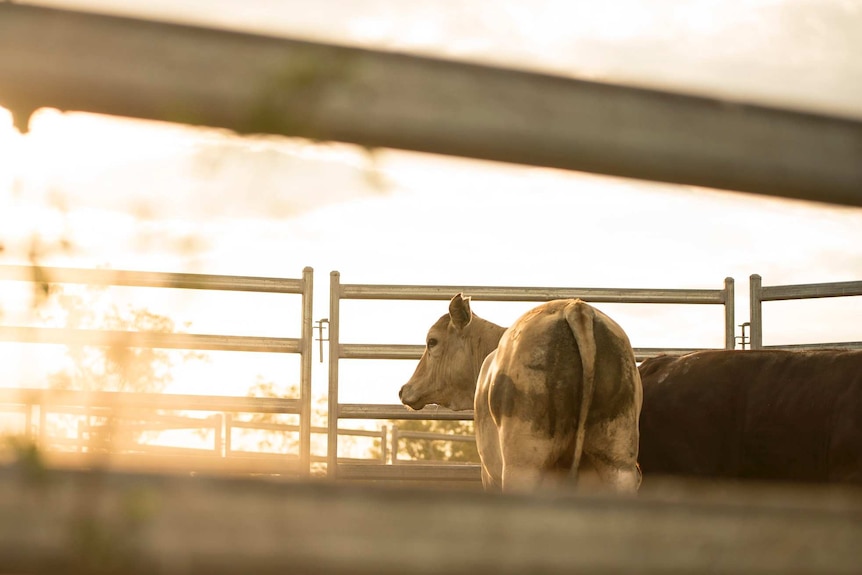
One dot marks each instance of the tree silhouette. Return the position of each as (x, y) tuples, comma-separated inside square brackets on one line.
[(114, 367), (437, 449), (274, 435)]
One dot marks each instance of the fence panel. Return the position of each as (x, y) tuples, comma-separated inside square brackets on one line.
[(339, 350), (758, 293), (45, 401)]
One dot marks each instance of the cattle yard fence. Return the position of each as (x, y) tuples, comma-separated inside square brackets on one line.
[(38, 403), (217, 415), (163, 71), (339, 350), (110, 428), (759, 293)]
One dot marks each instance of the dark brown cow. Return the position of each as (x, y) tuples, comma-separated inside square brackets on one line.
[(559, 384), (767, 414)]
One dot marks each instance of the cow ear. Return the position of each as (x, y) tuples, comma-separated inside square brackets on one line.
[(459, 311)]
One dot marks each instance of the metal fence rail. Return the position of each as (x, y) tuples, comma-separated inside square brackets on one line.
[(760, 293), (302, 345), (339, 350), (398, 434), (258, 84), (109, 421)]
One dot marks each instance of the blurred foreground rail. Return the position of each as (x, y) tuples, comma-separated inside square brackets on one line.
[(76, 522), (255, 84)]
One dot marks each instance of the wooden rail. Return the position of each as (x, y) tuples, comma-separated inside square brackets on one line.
[(107, 522), (261, 84)]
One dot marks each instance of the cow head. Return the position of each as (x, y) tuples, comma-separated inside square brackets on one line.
[(455, 347)]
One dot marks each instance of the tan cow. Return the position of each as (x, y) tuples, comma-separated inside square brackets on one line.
[(559, 384)]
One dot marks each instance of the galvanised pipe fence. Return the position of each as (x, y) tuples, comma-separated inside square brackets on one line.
[(339, 350), (37, 403), (759, 293)]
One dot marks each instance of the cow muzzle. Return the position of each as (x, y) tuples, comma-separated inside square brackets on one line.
[(409, 398)]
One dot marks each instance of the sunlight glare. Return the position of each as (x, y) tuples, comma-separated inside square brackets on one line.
[(9, 154)]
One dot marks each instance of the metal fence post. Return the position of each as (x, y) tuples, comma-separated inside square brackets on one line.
[(334, 353), (384, 448), (729, 313), (218, 433), (756, 317), (307, 338), (228, 432), (394, 449)]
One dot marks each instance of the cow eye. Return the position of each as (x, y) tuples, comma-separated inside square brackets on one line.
[(431, 342)]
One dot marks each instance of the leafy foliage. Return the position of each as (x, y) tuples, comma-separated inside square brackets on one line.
[(274, 435), (115, 367), (437, 449)]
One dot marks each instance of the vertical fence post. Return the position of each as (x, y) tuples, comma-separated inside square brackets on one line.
[(755, 305), (334, 353), (307, 339), (81, 440), (228, 425), (384, 448), (394, 449), (218, 433), (28, 421), (43, 426), (729, 314)]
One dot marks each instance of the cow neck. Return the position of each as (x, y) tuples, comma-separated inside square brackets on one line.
[(489, 334)]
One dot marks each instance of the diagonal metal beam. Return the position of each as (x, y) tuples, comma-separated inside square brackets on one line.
[(258, 84)]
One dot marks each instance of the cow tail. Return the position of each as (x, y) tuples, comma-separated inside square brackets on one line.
[(580, 317)]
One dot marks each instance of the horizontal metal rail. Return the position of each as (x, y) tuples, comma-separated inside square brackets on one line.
[(261, 425), (157, 422), (810, 291), (129, 448), (238, 463), (843, 345), (40, 274), (398, 411), (435, 471), (138, 408), (533, 294), (150, 339), (759, 293), (432, 436), (408, 351), (260, 84), (128, 400)]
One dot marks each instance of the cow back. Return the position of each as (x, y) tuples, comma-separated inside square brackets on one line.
[(766, 414)]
